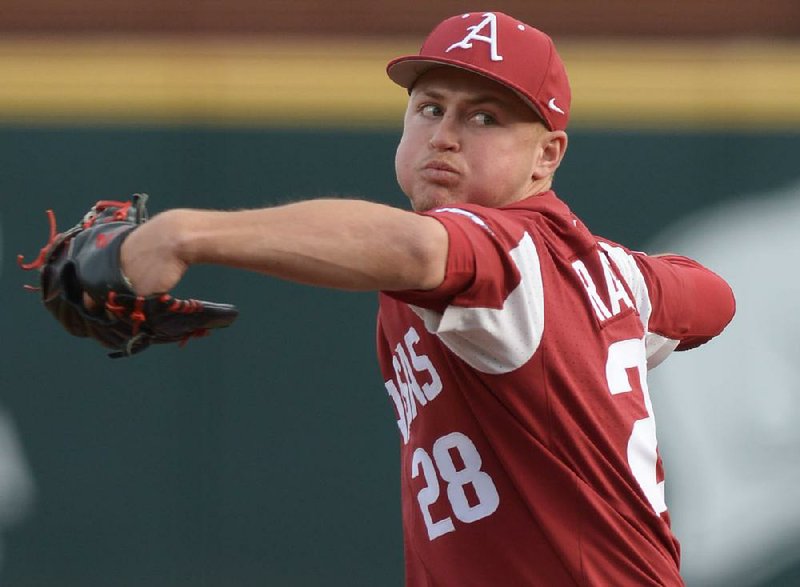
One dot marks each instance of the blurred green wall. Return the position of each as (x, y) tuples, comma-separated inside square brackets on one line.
[(267, 453)]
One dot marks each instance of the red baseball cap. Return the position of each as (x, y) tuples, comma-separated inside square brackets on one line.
[(501, 48)]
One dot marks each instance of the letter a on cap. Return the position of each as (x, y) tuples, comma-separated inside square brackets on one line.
[(473, 34)]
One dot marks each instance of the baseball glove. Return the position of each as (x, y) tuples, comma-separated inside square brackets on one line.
[(86, 260)]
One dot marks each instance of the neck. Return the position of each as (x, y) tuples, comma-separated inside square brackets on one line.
[(538, 186)]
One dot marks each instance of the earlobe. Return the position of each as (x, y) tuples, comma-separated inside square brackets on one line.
[(552, 148)]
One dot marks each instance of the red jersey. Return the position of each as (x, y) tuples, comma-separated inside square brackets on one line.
[(528, 451)]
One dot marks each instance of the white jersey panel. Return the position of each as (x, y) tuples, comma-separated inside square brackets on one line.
[(496, 341)]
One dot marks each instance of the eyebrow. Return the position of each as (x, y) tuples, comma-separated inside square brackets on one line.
[(487, 98)]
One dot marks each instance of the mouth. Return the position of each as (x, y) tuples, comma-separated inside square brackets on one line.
[(440, 166)]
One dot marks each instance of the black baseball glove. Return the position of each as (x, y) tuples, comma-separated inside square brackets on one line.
[(86, 260)]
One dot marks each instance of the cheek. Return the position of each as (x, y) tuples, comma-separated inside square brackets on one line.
[(513, 162), (505, 172), (403, 163), (493, 167)]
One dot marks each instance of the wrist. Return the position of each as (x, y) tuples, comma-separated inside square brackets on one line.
[(181, 224)]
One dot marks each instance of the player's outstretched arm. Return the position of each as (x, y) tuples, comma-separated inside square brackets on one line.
[(344, 244)]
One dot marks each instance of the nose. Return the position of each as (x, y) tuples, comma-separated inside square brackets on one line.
[(445, 135)]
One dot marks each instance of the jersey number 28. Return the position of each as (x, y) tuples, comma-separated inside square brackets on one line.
[(486, 497)]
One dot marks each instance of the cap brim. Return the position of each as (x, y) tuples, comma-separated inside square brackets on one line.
[(405, 71)]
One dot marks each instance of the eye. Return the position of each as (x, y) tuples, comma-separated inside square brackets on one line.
[(431, 110), (484, 119)]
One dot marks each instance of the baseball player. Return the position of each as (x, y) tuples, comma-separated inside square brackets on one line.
[(514, 343)]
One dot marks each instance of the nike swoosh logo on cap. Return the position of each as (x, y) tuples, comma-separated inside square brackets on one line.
[(552, 106)]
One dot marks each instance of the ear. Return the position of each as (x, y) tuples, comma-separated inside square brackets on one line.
[(551, 149)]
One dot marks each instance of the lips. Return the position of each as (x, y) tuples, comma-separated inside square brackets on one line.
[(440, 166)]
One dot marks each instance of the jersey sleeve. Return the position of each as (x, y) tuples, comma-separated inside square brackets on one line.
[(689, 302), (489, 311), (479, 272), (681, 303)]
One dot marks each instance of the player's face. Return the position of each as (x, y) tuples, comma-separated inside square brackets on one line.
[(467, 139)]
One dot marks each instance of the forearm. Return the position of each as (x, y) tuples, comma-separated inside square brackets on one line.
[(346, 244)]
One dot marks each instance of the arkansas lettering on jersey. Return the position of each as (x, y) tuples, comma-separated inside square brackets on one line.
[(528, 444)]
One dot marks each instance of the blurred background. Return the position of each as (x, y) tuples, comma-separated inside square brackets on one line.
[(267, 454)]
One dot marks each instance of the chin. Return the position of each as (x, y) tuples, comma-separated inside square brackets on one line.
[(425, 205), (426, 202)]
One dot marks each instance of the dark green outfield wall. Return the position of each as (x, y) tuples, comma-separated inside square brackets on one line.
[(265, 454)]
